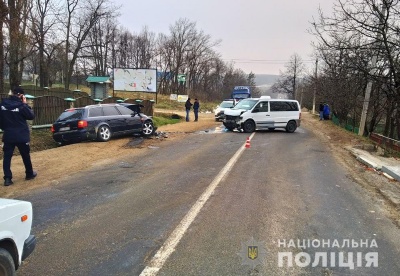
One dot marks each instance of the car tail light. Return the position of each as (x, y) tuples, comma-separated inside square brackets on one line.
[(299, 115), (52, 129), (82, 124)]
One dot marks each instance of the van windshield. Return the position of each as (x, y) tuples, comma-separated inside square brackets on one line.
[(246, 104)]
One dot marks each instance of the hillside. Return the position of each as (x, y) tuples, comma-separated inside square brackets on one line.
[(264, 79), (264, 83)]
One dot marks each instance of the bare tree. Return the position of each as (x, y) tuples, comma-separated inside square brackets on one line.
[(288, 80), (19, 38), (44, 20), (3, 20), (82, 16), (367, 29), (99, 46), (182, 33)]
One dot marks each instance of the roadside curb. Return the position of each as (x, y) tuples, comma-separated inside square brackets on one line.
[(392, 171), (388, 169)]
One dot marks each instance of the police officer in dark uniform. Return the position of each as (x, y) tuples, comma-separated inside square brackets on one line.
[(13, 115)]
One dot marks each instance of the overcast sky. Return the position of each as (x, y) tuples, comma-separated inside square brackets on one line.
[(268, 31)]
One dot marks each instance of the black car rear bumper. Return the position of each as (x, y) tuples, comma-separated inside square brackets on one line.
[(72, 136)]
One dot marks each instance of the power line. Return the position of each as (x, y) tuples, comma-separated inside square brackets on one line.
[(265, 61)]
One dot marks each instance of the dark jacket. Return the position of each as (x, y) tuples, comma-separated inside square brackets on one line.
[(196, 105), (321, 107), (13, 116), (188, 105)]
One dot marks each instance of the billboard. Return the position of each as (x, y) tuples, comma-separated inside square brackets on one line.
[(135, 80)]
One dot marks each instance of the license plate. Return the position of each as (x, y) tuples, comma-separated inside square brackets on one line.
[(64, 128)]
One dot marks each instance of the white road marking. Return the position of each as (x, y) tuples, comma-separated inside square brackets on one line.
[(168, 247)]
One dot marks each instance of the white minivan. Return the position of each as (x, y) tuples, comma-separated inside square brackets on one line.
[(263, 113)]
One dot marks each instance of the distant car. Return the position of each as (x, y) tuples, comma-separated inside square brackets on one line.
[(220, 110), (101, 122), (16, 241)]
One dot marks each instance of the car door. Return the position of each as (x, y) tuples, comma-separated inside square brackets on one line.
[(132, 118), (114, 119), (262, 116)]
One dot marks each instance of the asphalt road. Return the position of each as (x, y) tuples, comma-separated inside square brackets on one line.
[(113, 219)]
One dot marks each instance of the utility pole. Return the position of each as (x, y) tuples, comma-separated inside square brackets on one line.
[(367, 96), (366, 100), (315, 86)]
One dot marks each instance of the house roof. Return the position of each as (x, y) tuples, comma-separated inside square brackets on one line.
[(98, 79)]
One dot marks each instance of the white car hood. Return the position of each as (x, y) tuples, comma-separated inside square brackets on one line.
[(234, 112)]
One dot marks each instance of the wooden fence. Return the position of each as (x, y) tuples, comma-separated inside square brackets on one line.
[(385, 142), (48, 108)]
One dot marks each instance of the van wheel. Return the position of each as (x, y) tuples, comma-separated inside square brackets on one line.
[(7, 266), (291, 126), (104, 133), (249, 126)]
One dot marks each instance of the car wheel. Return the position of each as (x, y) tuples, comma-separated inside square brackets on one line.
[(7, 266), (148, 128), (291, 126), (249, 126), (103, 133)]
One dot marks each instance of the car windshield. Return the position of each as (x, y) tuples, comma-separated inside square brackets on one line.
[(246, 104), (226, 104), (71, 114)]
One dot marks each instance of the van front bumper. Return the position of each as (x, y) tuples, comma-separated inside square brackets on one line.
[(232, 123)]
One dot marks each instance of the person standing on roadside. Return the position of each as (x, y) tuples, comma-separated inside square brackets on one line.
[(196, 107), (188, 105), (14, 111), (327, 111), (321, 111)]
